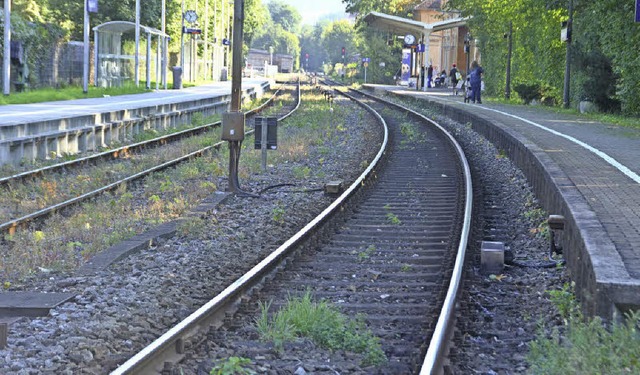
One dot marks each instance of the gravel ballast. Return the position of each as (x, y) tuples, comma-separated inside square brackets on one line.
[(123, 308)]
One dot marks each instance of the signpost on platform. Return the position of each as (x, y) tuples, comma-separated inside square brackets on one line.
[(365, 63), (90, 6)]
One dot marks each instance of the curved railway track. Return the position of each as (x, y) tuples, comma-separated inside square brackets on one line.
[(117, 154), (391, 247)]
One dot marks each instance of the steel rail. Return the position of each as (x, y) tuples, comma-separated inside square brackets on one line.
[(436, 351), (170, 346), (115, 153), (11, 225)]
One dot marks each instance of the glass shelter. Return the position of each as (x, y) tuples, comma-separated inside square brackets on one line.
[(115, 65)]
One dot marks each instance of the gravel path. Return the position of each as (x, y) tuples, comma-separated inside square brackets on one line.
[(125, 307)]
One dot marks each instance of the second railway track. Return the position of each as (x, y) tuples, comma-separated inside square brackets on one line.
[(21, 210), (389, 253)]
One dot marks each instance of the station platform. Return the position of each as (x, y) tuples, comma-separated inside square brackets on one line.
[(38, 130), (585, 170)]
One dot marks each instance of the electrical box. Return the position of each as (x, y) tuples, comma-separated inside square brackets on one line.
[(272, 132), (233, 126)]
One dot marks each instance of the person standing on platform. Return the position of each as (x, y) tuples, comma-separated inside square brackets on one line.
[(453, 75), (475, 79), (429, 75)]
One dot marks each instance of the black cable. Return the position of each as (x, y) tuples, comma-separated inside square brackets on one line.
[(273, 187), (289, 191)]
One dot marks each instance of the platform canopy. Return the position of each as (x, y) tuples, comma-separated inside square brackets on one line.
[(396, 25), (403, 26)]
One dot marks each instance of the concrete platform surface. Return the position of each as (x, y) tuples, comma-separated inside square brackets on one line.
[(25, 113)]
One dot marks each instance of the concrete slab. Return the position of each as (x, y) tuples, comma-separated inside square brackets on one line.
[(16, 304), (147, 239)]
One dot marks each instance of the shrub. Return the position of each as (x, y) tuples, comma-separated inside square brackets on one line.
[(528, 92)]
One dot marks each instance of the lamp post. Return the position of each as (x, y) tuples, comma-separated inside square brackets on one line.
[(6, 57), (270, 55), (507, 90), (467, 49), (567, 69)]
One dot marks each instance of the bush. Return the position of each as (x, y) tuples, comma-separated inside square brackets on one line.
[(528, 92)]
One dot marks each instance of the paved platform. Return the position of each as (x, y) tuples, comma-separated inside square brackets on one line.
[(585, 170), (24, 113)]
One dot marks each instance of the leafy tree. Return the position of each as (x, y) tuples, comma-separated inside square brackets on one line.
[(311, 43), (336, 35), (538, 53), (275, 32), (394, 7), (256, 16), (605, 28), (377, 49), (30, 10), (285, 15)]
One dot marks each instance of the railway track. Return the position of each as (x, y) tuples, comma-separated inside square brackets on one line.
[(390, 247), (25, 211)]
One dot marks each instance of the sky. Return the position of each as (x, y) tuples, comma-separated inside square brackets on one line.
[(311, 10)]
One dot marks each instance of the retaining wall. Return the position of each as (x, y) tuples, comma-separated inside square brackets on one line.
[(88, 133)]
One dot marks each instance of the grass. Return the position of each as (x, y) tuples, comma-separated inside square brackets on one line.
[(66, 242), (539, 218), (585, 346), (366, 254), (393, 219), (324, 324), (68, 93), (232, 366), (605, 118), (96, 225)]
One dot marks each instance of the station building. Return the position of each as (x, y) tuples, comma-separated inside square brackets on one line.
[(442, 37)]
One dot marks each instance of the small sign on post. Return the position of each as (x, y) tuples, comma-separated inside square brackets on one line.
[(92, 6), (637, 10), (266, 136)]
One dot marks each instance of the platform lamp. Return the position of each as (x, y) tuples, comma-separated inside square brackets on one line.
[(467, 49), (509, 36)]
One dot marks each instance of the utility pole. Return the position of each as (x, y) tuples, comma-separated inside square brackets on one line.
[(233, 121), (137, 35), (164, 44), (567, 68), (6, 57), (507, 90), (182, 40)]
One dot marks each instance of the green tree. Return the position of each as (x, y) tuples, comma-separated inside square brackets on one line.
[(538, 53), (256, 16), (395, 7), (336, 35), (605, 28), (385, 59), (285, 15), (311, 43)]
